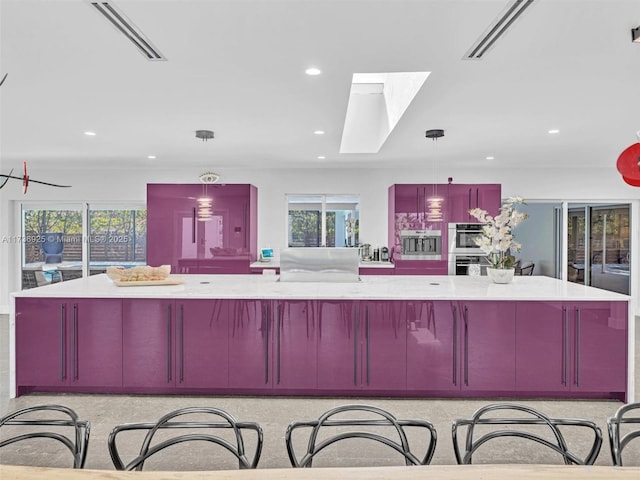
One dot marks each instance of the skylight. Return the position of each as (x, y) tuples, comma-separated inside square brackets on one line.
[(377, 101)]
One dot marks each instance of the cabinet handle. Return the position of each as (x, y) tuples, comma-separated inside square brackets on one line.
[(469, 216), (565, 345), (266, 343), (74, 344), (455, 345), (193, 226), (63, 359), (466, 346), (368, 345), (417, 203), (477, 197), (181, 342), (279, 328), (355, 346), (168, 343), (577, 371)]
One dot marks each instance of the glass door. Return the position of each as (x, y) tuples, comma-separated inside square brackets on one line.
[(58, 240), (599, 246), (52, 243)]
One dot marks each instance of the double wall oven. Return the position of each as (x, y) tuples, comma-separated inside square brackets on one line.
[(464, 256)]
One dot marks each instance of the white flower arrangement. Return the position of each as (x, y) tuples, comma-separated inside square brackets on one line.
[(497, 240)]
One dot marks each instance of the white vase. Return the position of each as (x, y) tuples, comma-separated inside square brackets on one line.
[(501, 275)]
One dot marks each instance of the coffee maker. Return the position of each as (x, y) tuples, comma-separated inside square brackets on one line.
[(384, 254)]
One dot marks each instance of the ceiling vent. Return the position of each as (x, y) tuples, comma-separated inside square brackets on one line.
[(514, 9), (129, 30)]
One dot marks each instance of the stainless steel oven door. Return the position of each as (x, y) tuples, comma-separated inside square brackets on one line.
[(460, 264), (462, 238)]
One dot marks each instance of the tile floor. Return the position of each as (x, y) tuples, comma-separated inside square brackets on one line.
[(274, 414)]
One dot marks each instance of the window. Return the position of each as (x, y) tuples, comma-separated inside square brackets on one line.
[(323, 220)]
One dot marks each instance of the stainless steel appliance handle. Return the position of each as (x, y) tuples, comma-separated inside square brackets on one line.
[(181, 342), (577, 370), (565, 345), (466, 346), (168, 322), (63, 360), (455, 345), (74, 343)]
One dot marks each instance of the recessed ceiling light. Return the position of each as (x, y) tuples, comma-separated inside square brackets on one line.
[(319, 132), (313, 71), (151, 157), (321, 157), (489, 158), (554, 130), (90, 134)]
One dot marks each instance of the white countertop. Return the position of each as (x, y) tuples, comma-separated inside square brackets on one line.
[(371, 287)]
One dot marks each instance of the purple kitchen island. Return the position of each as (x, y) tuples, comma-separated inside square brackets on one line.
[(393, 336)]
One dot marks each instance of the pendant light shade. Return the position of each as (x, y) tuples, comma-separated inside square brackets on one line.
[(629, 165)]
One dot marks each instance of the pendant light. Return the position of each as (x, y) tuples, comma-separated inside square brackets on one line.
[(205, 203), (434, 201)]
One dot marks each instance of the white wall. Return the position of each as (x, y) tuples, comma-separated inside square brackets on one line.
[(115, 185)]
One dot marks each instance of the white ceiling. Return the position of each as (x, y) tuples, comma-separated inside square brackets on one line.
[(237, 67)]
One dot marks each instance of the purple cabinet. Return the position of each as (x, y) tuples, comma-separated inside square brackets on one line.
[(295, 345), (272, 345), (250, 349), (383, 345), (202, 344), (432, 345), (463, 197), (599, 341), (338, 345), (68, 342), (149, 343), (572, 347), (542, 347), (177, 234), (408, 210), (421, 267), (487, 345), (361, 345)]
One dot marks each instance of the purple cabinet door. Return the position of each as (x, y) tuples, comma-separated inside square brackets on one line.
[(463, 197), (250, 353), (148, 343), (487, 341), (96, 342), (338, 345), (599, 354), (75, 342), (42, 342), (202, 344), (225, 242), (295, 345), (172, 230), (382, 355), (432, 345), (542, 347), (489, 198)]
